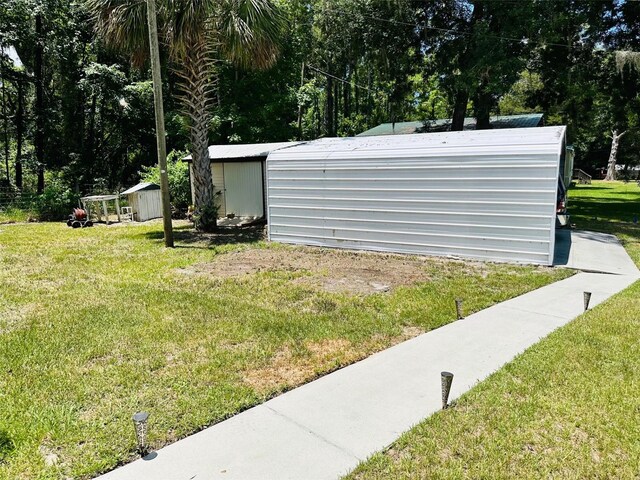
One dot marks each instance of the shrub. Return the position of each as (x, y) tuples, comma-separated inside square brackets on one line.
[(57, 200), (178, 173)]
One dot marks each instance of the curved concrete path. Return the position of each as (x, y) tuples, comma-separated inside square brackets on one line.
[(323, 429), (593, 252)]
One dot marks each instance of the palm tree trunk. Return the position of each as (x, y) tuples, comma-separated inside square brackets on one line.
[(196, 98)]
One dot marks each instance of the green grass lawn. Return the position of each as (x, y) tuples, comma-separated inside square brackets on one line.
[(569, 407), (98, 323), (13, 215)]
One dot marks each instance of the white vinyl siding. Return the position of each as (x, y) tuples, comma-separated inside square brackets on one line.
[(480, 194), (240, 186), (217, 175), (243, 189)]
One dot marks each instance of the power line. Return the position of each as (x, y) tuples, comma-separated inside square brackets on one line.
[(453, 31), (342, 79)]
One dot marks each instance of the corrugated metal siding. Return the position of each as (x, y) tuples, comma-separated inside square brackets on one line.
[(481, 194)]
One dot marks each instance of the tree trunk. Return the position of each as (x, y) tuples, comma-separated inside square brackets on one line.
[(39, 107), (328, 114), (89, 151), (5, 121), (19, 133), (196, 98), (613, 156), (300, 104), (482, 104), (356, 91), (346, 93), (318, 119), (336, 108), (461, 97), (459, 110)]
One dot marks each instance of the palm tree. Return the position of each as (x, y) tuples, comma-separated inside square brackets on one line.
[(198, 34)]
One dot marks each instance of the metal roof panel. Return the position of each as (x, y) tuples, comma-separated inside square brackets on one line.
[(426, 126), (140, 187), (246, 150)]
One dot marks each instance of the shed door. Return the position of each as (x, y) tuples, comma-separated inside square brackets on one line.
[(244, 189)]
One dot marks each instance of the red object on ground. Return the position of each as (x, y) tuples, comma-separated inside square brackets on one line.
[(79, 214)]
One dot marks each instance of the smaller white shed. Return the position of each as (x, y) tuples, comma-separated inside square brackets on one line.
[(145, 201), (238, 174)]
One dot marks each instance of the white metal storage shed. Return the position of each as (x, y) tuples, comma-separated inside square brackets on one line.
[(487, 194), (145, 201), (238, 174)]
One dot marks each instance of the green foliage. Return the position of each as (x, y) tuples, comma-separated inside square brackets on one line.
[(178, 176), (205, 218), (367, 62), (431, 99), (57, 200), (522, 97), (14, 214)]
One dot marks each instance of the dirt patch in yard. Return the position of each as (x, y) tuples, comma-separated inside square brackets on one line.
[(287, 368), (325, 269)]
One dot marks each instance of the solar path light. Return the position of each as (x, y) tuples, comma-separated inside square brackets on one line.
[(587, 299), (459, 308), (446, 379), (140, 424)]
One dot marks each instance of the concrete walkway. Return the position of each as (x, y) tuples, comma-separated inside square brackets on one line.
[(323, 429), (593, 252)]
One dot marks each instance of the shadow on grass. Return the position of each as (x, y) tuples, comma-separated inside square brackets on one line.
[(616, 227), (599, 208), (188, 237), (590, 187), (6, 445)]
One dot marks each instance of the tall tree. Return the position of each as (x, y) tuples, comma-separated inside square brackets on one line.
[(478, 48), (197, 34), (39, 111)]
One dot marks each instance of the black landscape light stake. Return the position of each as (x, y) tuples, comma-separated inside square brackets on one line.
[(587, 299), (140, 424), (446, 379), (459, 308)]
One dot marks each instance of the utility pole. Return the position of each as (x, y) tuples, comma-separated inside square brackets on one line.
[(160, 135)]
